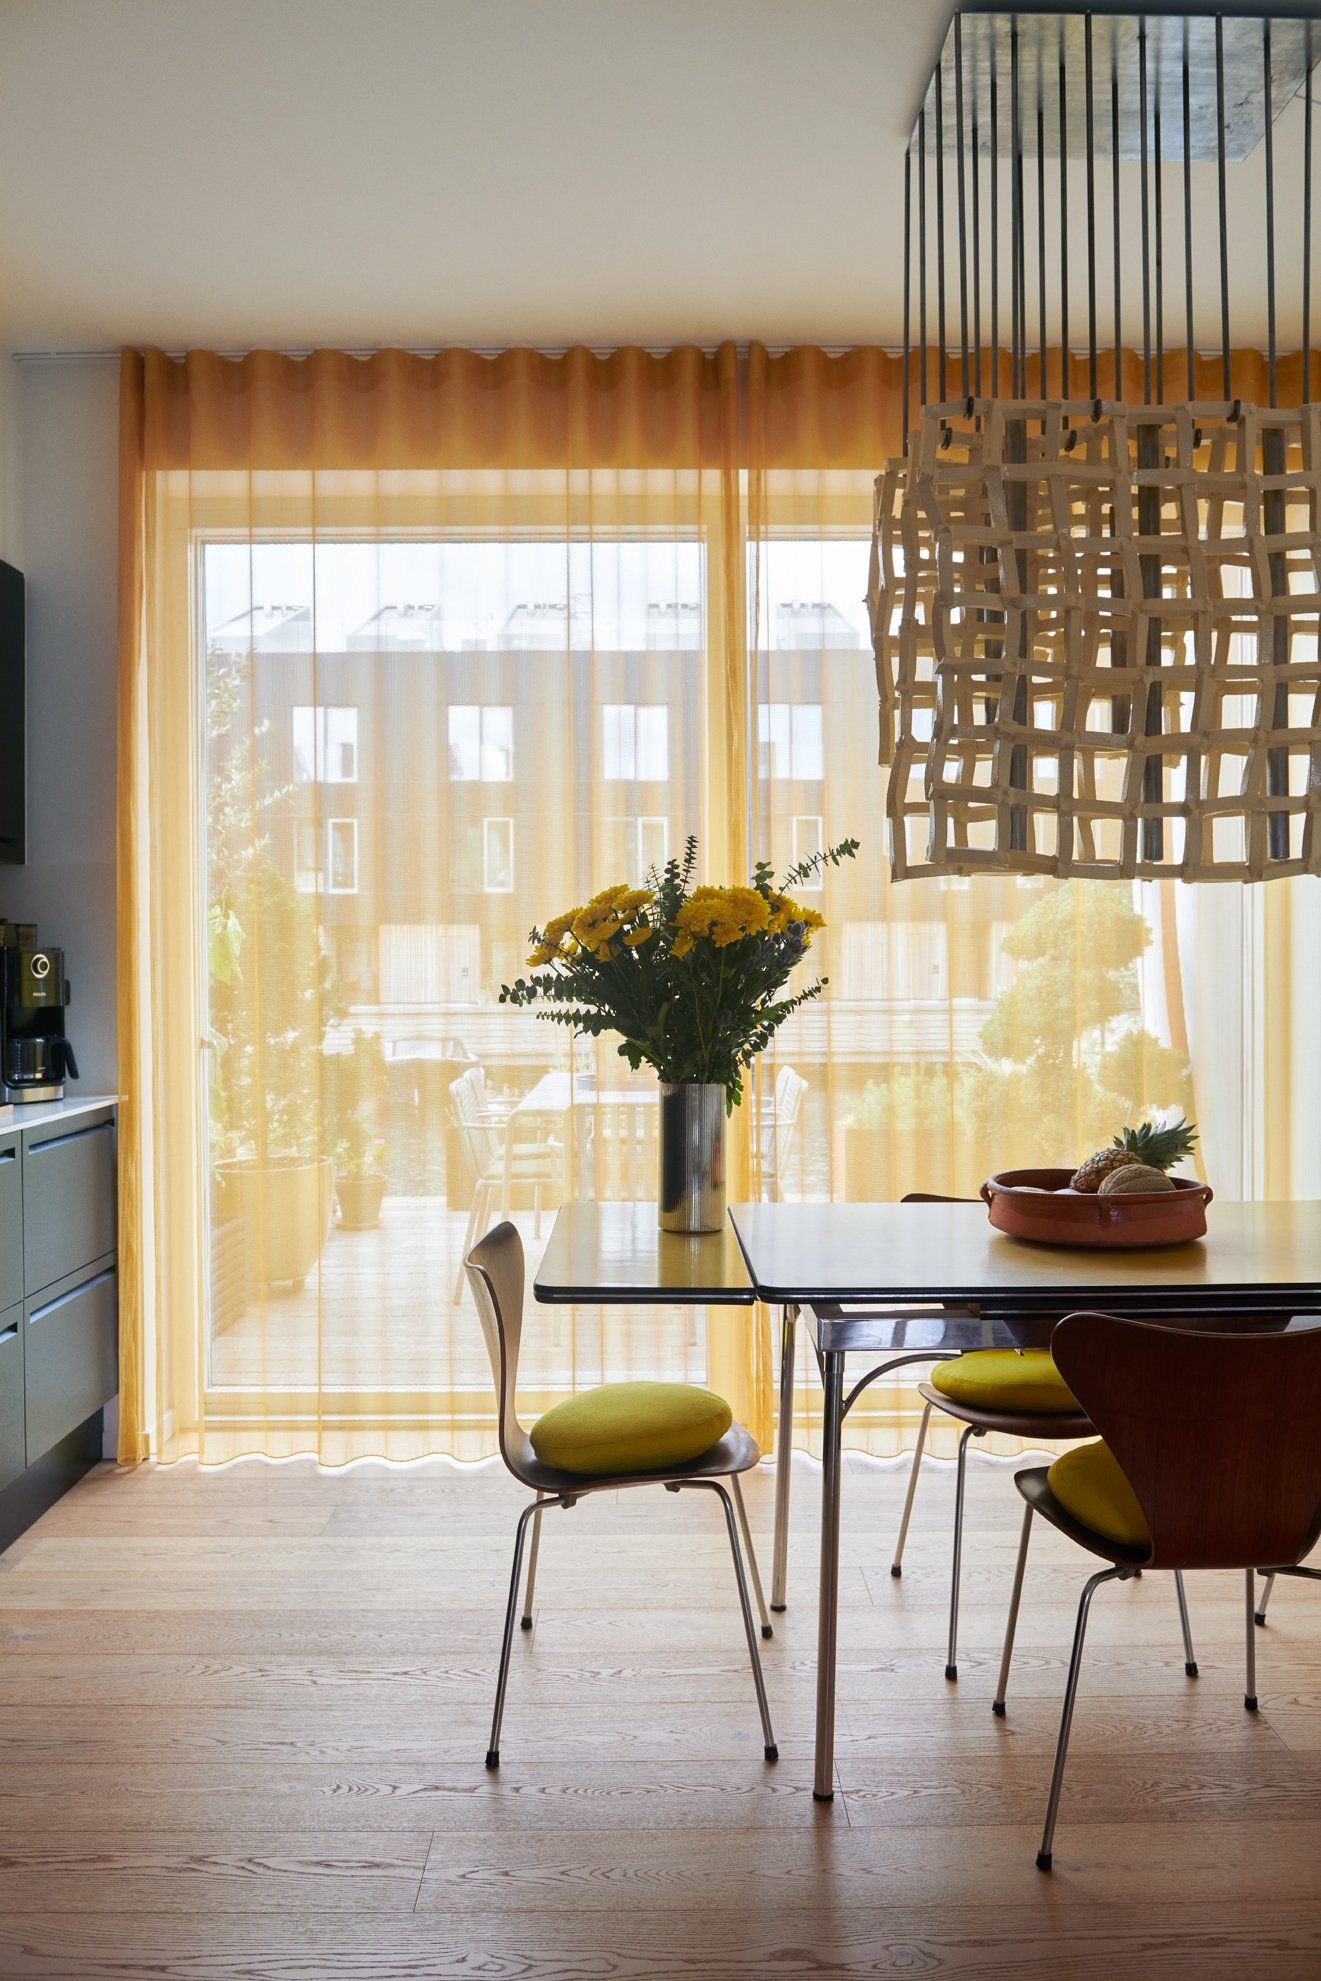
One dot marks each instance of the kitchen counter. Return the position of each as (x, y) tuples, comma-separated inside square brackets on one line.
[(40, 1114)]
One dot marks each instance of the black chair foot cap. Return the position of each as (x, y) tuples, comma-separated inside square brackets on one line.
[(817, 1796), (493, 1757), (772, 1752), (526, 1623), (1259, 1616), (766, 1630), (1249, 1702), (1190, 1671), (779, 1609), (998, 1708), (896, 1568), (951, 1671), (1043, 1860)]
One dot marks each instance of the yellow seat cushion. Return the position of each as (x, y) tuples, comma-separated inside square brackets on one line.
[(1089, 1484), (1008, 1379), (631, 1427)]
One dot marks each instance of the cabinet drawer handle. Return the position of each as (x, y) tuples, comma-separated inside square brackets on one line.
[(8, 1155), (75, 1293), (8, 1334), (74, 1135)]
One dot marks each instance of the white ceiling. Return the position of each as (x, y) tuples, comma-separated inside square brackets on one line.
[(295, 172)]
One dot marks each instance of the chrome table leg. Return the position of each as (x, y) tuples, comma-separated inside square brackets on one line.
[(784, 1438), (832, 1372)]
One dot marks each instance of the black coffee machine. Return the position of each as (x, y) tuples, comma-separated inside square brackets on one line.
[(35, 1057)]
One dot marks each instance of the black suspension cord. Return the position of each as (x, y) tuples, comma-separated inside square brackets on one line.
[(995, 227), (908, 274), (1114, 202), (977, 241), (1146, 211), (922, 247), (1188, 220), (1160, 241), (1065, 379), (1092, 386), (1224, 223), (1307, 227), (1268, 86), (1042, 388), (963, 204), (940, 226), (1016, 259)]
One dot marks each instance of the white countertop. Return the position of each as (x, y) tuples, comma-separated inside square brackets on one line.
[(40, 1114)]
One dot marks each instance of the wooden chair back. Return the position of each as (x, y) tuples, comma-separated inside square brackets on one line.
[(1217, 1433), (496, 1273)]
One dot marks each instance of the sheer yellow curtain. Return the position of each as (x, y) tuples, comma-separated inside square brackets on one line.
[(414, 652)]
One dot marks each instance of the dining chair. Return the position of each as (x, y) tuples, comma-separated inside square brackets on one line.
[(1019, 1392), (777, 1127), (497, 1163), (1207, 1458), (620, 1435), (1306, 1574)]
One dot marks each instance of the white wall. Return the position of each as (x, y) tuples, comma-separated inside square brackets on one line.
[(59, 433)]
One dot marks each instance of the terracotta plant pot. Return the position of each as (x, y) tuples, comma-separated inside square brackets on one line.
[(360, 1199), (287, 1207), (1076, 1217)]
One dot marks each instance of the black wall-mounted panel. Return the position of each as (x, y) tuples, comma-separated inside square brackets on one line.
[(13, 720)]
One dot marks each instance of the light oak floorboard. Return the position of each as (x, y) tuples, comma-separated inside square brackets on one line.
[(243, 1714)]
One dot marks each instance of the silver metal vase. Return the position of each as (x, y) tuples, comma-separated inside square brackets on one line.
[(692, 1156)]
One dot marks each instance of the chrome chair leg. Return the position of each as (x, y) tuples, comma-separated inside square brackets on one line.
[(952, 1656), (1066, 1720), (750, 1630), (511, 1610), (897, 1565), (1002, 1686), (1189, 1661), (532, 1566), (1260, 1612), (784, 1437), (750, 1554), (1250, 1694)]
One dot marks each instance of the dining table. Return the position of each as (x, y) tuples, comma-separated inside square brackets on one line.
[(907, 1283)]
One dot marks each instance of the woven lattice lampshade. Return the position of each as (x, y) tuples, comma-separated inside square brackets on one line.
[(1096, 639)]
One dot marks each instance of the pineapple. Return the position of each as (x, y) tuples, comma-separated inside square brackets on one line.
[(1157, 1148)]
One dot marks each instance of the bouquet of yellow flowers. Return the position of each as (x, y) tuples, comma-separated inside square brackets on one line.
[(689, 977)]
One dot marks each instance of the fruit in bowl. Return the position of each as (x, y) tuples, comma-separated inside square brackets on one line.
[(1134, 1178), (1154, 1149)]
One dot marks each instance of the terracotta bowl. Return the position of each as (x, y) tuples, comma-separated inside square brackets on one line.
[(1077, 1217)]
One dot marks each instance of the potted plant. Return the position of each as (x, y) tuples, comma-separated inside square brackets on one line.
[(896, 1136), (273, 993), (357, 1088), (691, 980)]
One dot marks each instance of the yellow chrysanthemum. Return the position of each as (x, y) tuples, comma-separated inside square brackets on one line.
[(683, 942), (593, 927), (544, 952), (636, 937), (637, 897), (556, 930), (605, 953)]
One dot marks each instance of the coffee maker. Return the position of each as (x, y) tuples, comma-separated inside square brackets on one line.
[(35, 1056)]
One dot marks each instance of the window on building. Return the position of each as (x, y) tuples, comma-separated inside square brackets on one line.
[(481, 741), (326, 856), (635, 741), (806, 840), (498, 856), (789, 740), (325, 745), (342, 856)]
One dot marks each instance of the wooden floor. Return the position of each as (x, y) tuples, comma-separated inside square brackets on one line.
[(243, 1717)]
